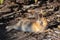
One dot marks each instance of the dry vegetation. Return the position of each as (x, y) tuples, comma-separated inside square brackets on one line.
[(30, 20)]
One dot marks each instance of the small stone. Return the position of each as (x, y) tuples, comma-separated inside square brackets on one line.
[(57, 32), (59, 26), (15, 34), (58, 19)]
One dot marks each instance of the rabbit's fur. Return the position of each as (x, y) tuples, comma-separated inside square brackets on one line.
[(30, 26)]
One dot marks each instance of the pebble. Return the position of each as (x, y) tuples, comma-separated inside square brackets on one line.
[(57, 32), (59, 26)]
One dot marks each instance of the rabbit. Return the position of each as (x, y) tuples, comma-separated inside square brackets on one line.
[(30, 26)]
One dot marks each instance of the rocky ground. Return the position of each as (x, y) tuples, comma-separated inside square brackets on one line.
[(11, 11)]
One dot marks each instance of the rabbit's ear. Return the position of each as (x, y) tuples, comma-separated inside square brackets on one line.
[(44, 20)]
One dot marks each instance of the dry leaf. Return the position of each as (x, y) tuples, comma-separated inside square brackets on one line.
[(1, 1)]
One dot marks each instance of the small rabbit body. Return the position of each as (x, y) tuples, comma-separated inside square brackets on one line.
[(30, 26)]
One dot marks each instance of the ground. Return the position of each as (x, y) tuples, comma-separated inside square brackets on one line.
[(11, 11)]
